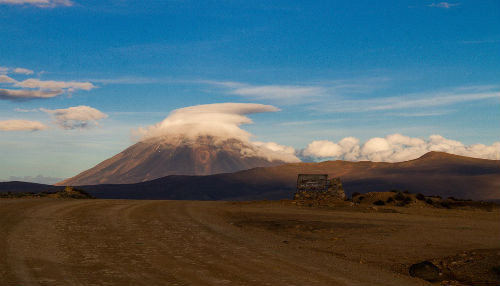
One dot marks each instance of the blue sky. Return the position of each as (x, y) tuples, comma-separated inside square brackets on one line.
[(334, 68)]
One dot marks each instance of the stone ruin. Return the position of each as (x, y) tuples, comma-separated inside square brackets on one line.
[(318, 187)]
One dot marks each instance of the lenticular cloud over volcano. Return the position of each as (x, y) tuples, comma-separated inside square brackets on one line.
[(220, 121)]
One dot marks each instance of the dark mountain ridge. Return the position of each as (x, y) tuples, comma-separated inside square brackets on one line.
[(435, 173)]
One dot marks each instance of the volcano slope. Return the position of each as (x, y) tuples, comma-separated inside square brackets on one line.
[(158, 157), (127, 242)]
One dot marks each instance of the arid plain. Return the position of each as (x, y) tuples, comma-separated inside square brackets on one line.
[(132, 242)]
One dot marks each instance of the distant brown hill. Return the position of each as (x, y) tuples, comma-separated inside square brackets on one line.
[(435, 173)]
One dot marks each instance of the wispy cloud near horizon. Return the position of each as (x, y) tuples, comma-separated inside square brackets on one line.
[(39, 3), (444, 5), (415, 100), (298, 93), (21, 125)]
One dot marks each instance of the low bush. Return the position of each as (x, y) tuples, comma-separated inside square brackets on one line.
[(379, 203), (405, 201), (420, 197), (445, 204), (390, 200), (399, 196)]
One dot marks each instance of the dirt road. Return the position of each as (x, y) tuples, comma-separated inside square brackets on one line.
[(126, 242)]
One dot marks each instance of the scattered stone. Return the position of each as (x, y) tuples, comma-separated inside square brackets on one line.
[(425, 270)]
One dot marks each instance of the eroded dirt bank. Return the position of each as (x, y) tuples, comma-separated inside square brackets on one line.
[(126, 242)]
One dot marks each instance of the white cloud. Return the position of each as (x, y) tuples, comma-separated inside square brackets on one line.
[(18, 70), (23, 71), (323, 148), (23, 94), (269, 92), (272, 150), (76, 117), (397, 148), (220, 121), (25, 110), (21, 125), (39, 3), (34, 88), (277, 91), (6, 79), (445, 5), (55, 85)]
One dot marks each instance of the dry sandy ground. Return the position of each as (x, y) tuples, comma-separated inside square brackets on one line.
[(127, 242)]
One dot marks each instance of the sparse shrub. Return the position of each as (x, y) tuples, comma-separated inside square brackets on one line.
[(405, 201), (406, 191), (394, 191), (390, 200), (361, 198), (355, 194), (429, 201), (452, 198), (420, 197), (496, 269), (379, 203), (445, 204), (399, 196)]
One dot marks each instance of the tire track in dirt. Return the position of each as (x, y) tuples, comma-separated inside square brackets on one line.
[(126, 242)]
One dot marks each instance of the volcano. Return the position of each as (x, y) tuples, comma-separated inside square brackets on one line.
[(158, 157)]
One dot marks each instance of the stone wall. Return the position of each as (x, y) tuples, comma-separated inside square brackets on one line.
[(334, 192)]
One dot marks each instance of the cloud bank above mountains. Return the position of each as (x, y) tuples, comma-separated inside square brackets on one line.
[(396, 148)]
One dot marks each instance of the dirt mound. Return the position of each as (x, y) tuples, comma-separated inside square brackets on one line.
[(406, 199)]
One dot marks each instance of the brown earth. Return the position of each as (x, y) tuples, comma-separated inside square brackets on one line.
[(127, 242)]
